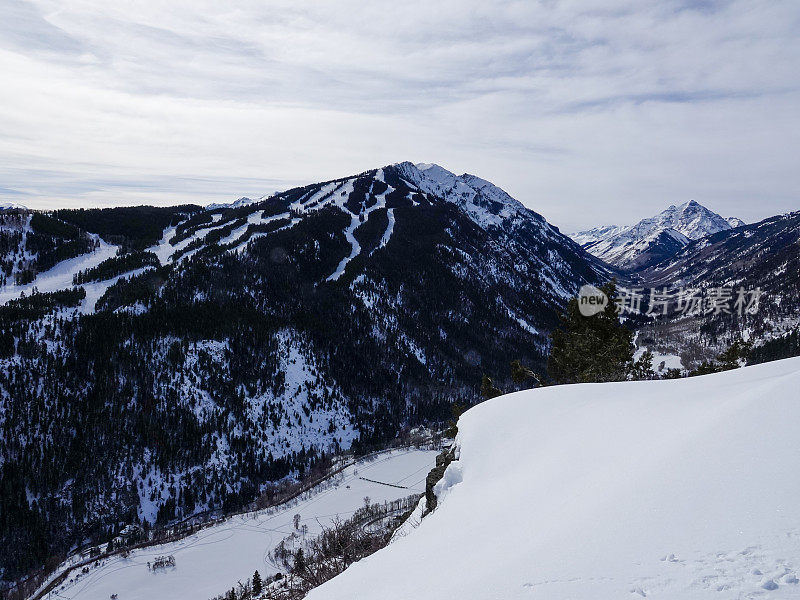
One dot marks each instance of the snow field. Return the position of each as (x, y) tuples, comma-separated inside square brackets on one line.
[(676, 489), (661, 362)]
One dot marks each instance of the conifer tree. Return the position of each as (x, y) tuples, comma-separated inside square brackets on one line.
[(736, 352), (521, 374), (591, 349), (732, 358), (642, 368), (488, 390)]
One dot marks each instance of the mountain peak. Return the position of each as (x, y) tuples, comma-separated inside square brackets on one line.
[(637, 246), (243, 201), (485, 202), (735, 222), (12, 206)]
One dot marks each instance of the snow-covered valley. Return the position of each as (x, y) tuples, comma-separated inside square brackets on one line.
[(682, 489), (211, 561)]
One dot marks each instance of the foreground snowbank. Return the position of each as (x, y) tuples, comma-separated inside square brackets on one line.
[(666, 489)]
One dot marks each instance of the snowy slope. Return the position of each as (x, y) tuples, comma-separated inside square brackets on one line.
[(213, 560), (60, 277), (486, 203), (637, 247), (653, 239), (681, 489), (596, 234)]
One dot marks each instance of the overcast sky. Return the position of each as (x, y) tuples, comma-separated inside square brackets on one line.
[(588, 112)]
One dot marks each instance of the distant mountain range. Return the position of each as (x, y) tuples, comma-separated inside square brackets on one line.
[(243, 201), (650, 241), (762, 256), (692, 248)]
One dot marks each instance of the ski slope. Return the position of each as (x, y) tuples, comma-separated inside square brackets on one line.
[(59, 277), (213, 560), (678, 489)]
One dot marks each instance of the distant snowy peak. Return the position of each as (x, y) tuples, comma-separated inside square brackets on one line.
[(691, 219), (631, 249), (12, 206), (764, 254), (596, 234), (651, 240), (735, 222), (243, 201)]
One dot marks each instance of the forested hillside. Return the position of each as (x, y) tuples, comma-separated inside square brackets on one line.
[(267, 336)]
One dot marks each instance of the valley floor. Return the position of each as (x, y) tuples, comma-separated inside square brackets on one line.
[(212, 561)]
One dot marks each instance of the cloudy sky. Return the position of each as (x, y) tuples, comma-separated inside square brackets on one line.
[(587, 111)]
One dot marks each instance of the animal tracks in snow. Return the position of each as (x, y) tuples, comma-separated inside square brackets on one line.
[(749, 572)]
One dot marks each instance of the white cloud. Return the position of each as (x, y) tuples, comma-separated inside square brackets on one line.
[(589, 112)]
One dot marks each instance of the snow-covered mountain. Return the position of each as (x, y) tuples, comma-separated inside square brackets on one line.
[(206, 353), (177, 360), (766, 253), (651, 240), (735, 222), (12, 206), (762, 257), (672, 490)]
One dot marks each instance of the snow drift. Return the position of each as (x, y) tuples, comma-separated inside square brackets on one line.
[(665, 489)]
